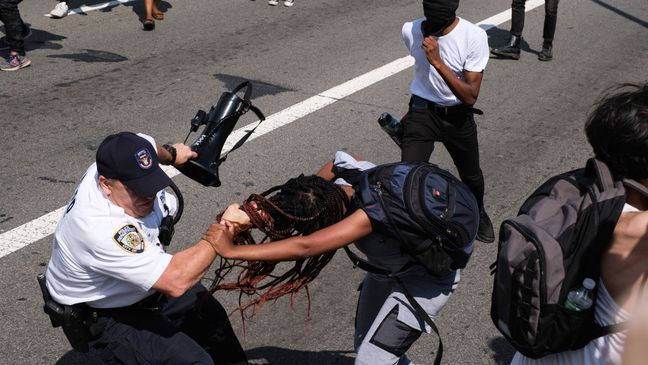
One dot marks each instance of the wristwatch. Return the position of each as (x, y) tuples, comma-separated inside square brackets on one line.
[(172, 151)]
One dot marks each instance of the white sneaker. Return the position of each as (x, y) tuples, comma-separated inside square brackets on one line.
[(288, 3), (60, 10), (273, 2)]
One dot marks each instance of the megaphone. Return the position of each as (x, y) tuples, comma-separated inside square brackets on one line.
[(219, 123)]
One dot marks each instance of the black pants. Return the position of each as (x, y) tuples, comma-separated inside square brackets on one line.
[(551, 16), (177, 333), (422, 126), (14, 26)]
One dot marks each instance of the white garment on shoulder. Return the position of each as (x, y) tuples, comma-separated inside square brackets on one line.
[(465, 48), (606, 350), (346, 161), (101, 255)]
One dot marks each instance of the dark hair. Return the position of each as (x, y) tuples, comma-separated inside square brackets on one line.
[(300, 206), (617, 130)]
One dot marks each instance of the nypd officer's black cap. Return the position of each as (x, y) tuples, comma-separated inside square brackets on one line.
[(132, 160)]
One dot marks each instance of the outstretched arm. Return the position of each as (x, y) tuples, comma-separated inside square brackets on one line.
[(348, 230)]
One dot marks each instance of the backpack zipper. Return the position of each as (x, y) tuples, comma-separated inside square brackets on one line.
[(447, 212), (541, 254)]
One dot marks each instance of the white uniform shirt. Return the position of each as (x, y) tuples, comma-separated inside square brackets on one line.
[(464, 48), (102, 256)]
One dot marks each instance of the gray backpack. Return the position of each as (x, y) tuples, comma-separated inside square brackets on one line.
[(555, 242)]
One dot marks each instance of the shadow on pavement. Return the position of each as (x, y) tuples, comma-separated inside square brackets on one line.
[(259, 87), (630, 17), (91, 55), (40, 39)]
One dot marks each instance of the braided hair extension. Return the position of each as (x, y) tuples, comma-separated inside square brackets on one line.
[(299, 207)]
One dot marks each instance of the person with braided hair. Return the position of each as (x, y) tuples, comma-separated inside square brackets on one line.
[(386, 325), (300, 206)]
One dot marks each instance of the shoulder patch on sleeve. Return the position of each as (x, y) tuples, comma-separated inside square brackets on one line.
[(130, 239)]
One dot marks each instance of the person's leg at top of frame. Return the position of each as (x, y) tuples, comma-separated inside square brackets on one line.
[(511, 50), (16, 31), (549, 29)]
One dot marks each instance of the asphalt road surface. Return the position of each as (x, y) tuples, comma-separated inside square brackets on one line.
[(97, 73)]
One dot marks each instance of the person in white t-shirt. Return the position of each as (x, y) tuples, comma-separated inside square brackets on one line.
[(617, 130), (450, 55), (138, 302)]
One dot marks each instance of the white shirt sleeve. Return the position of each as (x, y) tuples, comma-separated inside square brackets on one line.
[(150, 140), (407, 35), (346, 162), (479, 53)]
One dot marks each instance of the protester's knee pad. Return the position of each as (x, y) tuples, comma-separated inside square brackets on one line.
[(393, 335)]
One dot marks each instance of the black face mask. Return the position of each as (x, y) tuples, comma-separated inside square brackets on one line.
[(431, 27), (439, 14)]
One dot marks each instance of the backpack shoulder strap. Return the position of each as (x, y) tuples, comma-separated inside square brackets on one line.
[(636, 186), (421, 313), (602, 173)]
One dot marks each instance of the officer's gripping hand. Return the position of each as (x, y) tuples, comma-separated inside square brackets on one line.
[(184, 153)]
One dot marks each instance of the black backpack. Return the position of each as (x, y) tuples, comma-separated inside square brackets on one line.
[(555, 242), (432, 214)]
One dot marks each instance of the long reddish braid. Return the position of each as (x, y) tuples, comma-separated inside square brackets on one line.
[(300, 206)]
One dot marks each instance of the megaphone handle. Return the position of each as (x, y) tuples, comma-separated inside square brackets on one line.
[(257, 111), (248, 90)]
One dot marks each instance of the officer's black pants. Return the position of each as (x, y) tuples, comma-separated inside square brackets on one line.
[(458, 133), (14, 26), (176, 334)]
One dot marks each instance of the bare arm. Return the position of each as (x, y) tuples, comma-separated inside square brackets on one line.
[(348, 230), (186, 268), (467, 91), (326, 171)]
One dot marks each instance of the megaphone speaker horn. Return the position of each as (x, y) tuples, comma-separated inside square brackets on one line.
[(219, 124)]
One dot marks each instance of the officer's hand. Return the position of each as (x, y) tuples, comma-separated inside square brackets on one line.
[(220, 237), (234, 215), (184, 153), (431, 48)]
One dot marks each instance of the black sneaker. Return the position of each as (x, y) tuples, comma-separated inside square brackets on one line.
[(485, 231), (546, 54), (511, 50)]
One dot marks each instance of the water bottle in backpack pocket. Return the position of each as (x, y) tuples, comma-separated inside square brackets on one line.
[(581, 298)]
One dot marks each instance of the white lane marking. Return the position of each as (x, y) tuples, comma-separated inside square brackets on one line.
[(42, 227)]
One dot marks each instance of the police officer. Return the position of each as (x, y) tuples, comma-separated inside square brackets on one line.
[(140, 304)]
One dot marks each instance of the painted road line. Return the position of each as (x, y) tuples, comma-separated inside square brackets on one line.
[(42, 227), (84, 9)]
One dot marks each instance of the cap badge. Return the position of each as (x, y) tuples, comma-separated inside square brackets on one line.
[(144, 159)]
